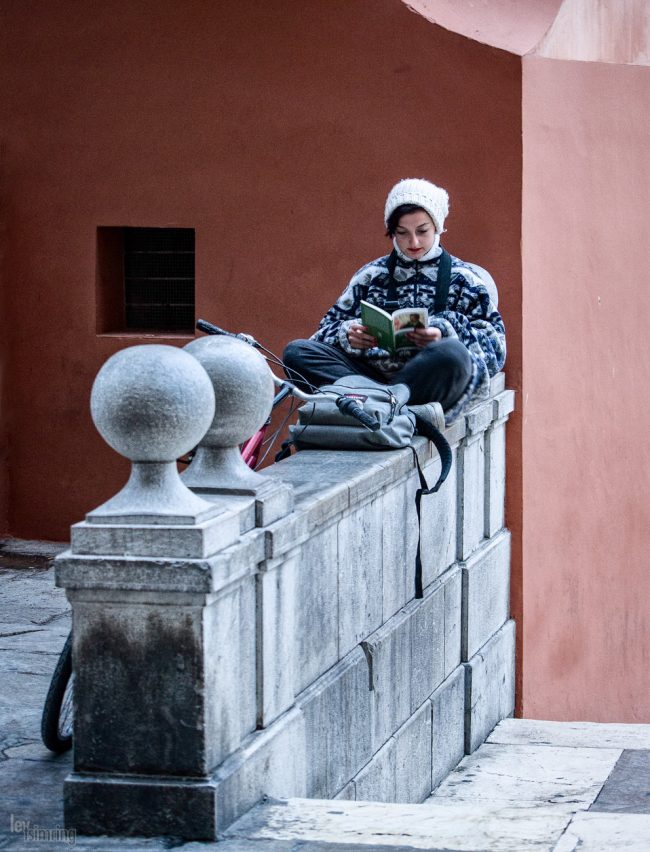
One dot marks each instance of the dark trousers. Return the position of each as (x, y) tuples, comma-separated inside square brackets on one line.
[(438, 373)]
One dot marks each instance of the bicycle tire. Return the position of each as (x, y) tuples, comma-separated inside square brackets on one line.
[(56, 722)]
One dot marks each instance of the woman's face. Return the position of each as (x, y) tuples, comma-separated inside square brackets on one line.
[(415, 233)]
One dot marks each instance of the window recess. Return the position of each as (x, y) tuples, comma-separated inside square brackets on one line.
[(145, 280)]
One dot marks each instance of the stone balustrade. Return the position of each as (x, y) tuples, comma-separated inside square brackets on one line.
[(266, 639)]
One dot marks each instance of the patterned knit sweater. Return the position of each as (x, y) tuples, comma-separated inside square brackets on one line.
[(470, 316)]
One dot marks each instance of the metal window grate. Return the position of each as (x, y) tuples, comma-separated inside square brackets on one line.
[(159, 278)]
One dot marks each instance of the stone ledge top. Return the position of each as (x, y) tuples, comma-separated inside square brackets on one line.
[(137, 573)]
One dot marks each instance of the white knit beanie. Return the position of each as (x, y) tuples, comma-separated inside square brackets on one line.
[(425, 194)]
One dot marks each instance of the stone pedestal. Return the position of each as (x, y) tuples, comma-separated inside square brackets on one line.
[(271, 498), (165, 689), (163, 594), (243, 389)]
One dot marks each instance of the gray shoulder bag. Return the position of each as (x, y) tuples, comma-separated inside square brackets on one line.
[(322, 425)]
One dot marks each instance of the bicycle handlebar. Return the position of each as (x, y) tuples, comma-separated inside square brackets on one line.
[(210, 328), (345, 405)]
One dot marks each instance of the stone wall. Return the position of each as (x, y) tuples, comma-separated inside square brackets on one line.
[(296, 657)]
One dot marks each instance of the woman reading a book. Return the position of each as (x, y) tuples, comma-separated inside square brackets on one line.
[(448, 362)]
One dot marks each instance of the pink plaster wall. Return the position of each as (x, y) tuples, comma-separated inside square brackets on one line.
[(513, 25), (586, 586), (615, 31)]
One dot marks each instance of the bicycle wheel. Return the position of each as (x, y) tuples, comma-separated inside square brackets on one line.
[(56, 722)]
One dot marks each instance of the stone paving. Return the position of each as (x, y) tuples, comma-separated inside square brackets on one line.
[(533, 785)]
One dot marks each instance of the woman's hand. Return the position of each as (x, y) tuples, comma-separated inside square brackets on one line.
[(358, 339), (424, 336)]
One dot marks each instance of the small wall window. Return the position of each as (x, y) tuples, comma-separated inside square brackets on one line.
[(145, 280)]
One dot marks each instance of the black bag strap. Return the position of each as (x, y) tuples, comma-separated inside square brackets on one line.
[(442, 283), (391, 293), (446, 459)]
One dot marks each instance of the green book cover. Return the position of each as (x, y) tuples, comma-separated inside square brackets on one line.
[(391, 329)]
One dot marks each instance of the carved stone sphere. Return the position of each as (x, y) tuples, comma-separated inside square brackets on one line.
[(152, 403), (243, 388)]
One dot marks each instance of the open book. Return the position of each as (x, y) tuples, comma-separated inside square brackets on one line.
[(390, 329)]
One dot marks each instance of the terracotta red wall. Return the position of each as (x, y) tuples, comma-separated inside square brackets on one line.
[(275, 135), (4, 425), (586, 588)]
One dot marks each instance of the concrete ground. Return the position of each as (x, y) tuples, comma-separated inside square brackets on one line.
[(532, 786)]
